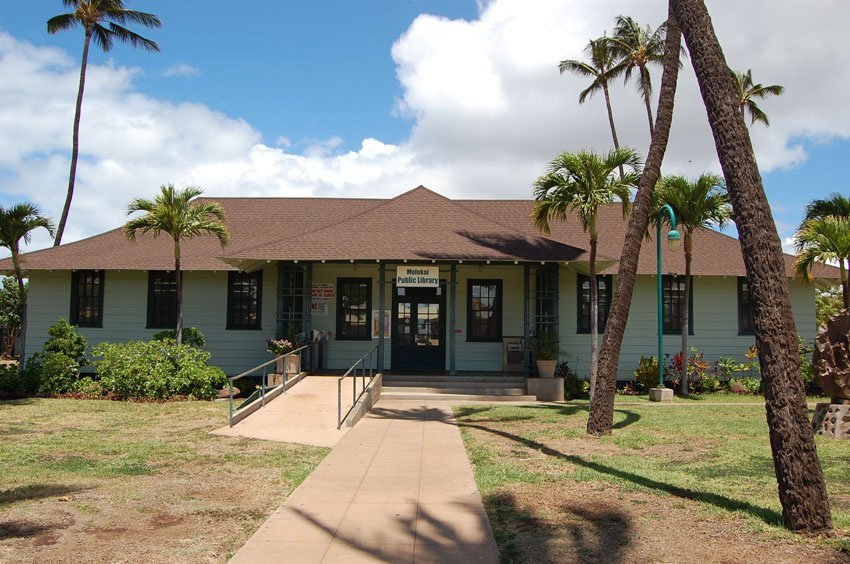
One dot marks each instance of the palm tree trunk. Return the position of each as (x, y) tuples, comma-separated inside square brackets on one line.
[(644, 77), (594, 317), (178, 279), (686, 314), (802, 491), (75, 143), (611, 122), (22, 331), (601, 417), (845, 294)]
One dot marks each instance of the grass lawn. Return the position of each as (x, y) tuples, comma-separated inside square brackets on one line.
[(671, 484), (105, 481), (698, 399)]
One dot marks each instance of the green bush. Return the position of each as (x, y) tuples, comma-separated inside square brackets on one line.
[(157, 370), (55, 372), (192, 337), (573, 385), (711, 383), (751, 385), (15, 384), (64, 339), (646, 375), (88, 387)]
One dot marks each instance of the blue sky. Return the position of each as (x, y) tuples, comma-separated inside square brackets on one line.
[(372, 98)]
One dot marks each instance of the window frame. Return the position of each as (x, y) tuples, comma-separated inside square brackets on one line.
[(257, 325), (149, 322), (498, 308), (367, 333), (609, 292), (742, 312), (75, 298), (664, 290)]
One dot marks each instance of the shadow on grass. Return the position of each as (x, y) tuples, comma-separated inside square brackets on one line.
[(36, 491), (769, 516), (560, 410), (14, 401)]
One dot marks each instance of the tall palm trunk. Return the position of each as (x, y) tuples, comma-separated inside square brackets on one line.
[(601, 417), (683, 386), (178, 280), (22, 330), (611, 122), (802, 491), (594, 317), (75, 143), (644, 77), (845, 294)]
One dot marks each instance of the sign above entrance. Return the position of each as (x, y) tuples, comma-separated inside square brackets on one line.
[(418, 277)]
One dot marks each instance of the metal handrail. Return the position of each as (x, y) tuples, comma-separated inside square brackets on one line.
[(265, 379), (354, 396)]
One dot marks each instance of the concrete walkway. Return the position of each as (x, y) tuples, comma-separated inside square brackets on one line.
[(305, 414), (398, 487)]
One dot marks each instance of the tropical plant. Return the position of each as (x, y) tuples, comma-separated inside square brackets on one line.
[(102, 21), (646, 374), (176, 213), (10, 313), (601, 417), (836, 205), (747, 92), (546, 345), (578, 184), (17, 223), (600, 67), (65, 339), (828, 302), (823, 240), (192, 336), (698, 204), (638, 47), (802, 490)]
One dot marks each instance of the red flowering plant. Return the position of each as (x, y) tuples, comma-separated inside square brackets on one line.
[(279, 346)]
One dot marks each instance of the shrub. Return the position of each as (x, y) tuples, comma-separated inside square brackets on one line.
[(752, 385), (65, 340), (646, 375), (573, 385), (192, 337), (15, 384), (88, 387), (711, 384), (55, 372), (157, 370), (545, 346)]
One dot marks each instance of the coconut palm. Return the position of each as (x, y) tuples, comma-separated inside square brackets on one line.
[(746, 92), (801, 486), (638, 47), (823, 239), (175, 213), (91, 15), (836, 205), (17, 223), (599, 67), (698, 204), (578, 184)]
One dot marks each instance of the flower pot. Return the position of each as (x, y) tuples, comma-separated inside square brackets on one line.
[(546, 368), (278, 365), (292, 364)]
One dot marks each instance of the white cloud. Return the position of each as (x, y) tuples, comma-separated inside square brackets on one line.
[(489, 108), (181, 69)]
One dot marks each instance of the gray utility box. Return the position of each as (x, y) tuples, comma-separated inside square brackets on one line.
[(513, 354)]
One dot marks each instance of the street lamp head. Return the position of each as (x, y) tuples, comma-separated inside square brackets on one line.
[(673, 240)]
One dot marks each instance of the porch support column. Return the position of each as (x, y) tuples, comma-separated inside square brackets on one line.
[(382, 292), (526, 319), (307, 308), (452, 317)]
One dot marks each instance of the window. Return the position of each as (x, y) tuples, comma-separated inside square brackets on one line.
[(162, 300), (484, 312), (354, 307), (746, 324), (604, 285), (87, 298), (244, 299), (673, 302)]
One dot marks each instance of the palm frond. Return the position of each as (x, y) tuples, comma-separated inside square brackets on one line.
[(61, 22), (819, 241), (102, 37), (834, 205), (19, 221)]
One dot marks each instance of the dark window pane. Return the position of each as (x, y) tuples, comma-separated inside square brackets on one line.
[(354, 308), (484, 310), (244, 300), (746, 322), (604, 286), (673, 304), (162, 299), (87, 298)]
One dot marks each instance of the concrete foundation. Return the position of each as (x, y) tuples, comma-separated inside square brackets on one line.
[(660, 394), (832, 420), (546, 389)]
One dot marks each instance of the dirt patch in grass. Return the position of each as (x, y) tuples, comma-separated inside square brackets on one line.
[(95, 481)]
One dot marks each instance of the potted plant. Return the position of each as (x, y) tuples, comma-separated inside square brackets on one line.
[(279, 348), (545, 348)]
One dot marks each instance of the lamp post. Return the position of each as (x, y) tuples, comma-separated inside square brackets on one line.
[(673, 240)]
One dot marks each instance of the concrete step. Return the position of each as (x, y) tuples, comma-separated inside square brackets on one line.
[(481, 390), (453, 384), (453, 397), (445, 378)]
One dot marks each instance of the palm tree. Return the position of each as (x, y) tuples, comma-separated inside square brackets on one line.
[(600, 67), (746, 92), (91, 15), (822, 239), (802, 490), (578, 183), (697, 205), (16, 223), (836, 205), (601, 418), (638, 47), (173, 212)]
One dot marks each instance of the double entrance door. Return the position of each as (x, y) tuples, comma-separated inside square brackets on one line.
[(419, 329)]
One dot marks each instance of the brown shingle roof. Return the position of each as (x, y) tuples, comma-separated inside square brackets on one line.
[(417, 225)]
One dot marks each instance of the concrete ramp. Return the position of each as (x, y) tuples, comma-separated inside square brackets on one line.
[(305, 414)]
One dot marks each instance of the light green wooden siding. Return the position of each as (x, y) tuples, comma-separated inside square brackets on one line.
[(125, 313)]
